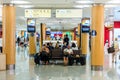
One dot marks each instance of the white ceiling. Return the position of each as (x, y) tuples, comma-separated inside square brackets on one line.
[(111, 13)]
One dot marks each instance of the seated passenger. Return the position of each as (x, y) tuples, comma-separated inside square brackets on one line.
[(50, 47), (74, 47), (44, 53), (68, 55), (68, 50), (57, 45)]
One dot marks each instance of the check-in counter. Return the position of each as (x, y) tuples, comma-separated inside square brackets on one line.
[(2, 61)]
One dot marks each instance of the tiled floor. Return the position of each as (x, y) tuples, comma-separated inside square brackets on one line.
[(26, 70)]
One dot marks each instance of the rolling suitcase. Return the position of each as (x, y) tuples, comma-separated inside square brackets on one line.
[(83, 60)]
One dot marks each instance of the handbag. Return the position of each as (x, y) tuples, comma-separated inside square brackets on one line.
[(111, 49), (77, 56)]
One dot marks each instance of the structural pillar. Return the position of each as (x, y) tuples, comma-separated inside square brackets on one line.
[(97, 39), (78, 36), (8, 19), (32, 44), (85, 43), (43, 34)]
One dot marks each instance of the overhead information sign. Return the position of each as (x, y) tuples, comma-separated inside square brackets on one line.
[(36, 13), (68, 13)]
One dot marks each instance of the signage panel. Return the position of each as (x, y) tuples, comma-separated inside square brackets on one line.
[(36, 13), (68, 13)]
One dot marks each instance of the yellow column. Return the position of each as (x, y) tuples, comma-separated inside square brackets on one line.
[(97, 42), (85, 43), (43, 34), (8, 19), (32, 43), (44, 31), (78, 38)]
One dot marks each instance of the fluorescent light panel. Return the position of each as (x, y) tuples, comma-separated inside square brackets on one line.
[(84, 1), (111, 5), (81, 6), (20, 2), (114, 1), (25, 6)]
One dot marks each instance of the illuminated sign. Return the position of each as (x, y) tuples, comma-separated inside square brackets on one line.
[(68, 13), (36, 13)]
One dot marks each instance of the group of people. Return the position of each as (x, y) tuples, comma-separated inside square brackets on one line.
[(45, 53)]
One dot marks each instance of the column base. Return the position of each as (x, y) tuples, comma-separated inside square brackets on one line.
[(10, 67), (96, 68)]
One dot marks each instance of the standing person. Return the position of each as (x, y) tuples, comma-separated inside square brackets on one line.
[(0, 45), (106, 47), (116, 47), (22, 43), (66, 40), (18, 40)]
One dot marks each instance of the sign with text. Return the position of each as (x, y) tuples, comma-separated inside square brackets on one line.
[(68, 13), (36, 13)]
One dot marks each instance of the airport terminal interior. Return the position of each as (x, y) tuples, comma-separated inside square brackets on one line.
[(59, 39)]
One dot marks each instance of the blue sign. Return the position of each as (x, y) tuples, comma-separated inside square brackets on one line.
[(85, 29), (93, 33)]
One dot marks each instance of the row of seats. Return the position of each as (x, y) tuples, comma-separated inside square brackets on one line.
[(57, 54)]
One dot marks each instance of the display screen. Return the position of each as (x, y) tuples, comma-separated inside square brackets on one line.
[(85, 25), (48, 33), (31, 22), (31, 29), (85, 22), (85, 29)]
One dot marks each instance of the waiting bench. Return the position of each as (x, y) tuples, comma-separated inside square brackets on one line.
[(57, 54)]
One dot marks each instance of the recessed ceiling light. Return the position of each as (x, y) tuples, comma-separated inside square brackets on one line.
[(19, 2)]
